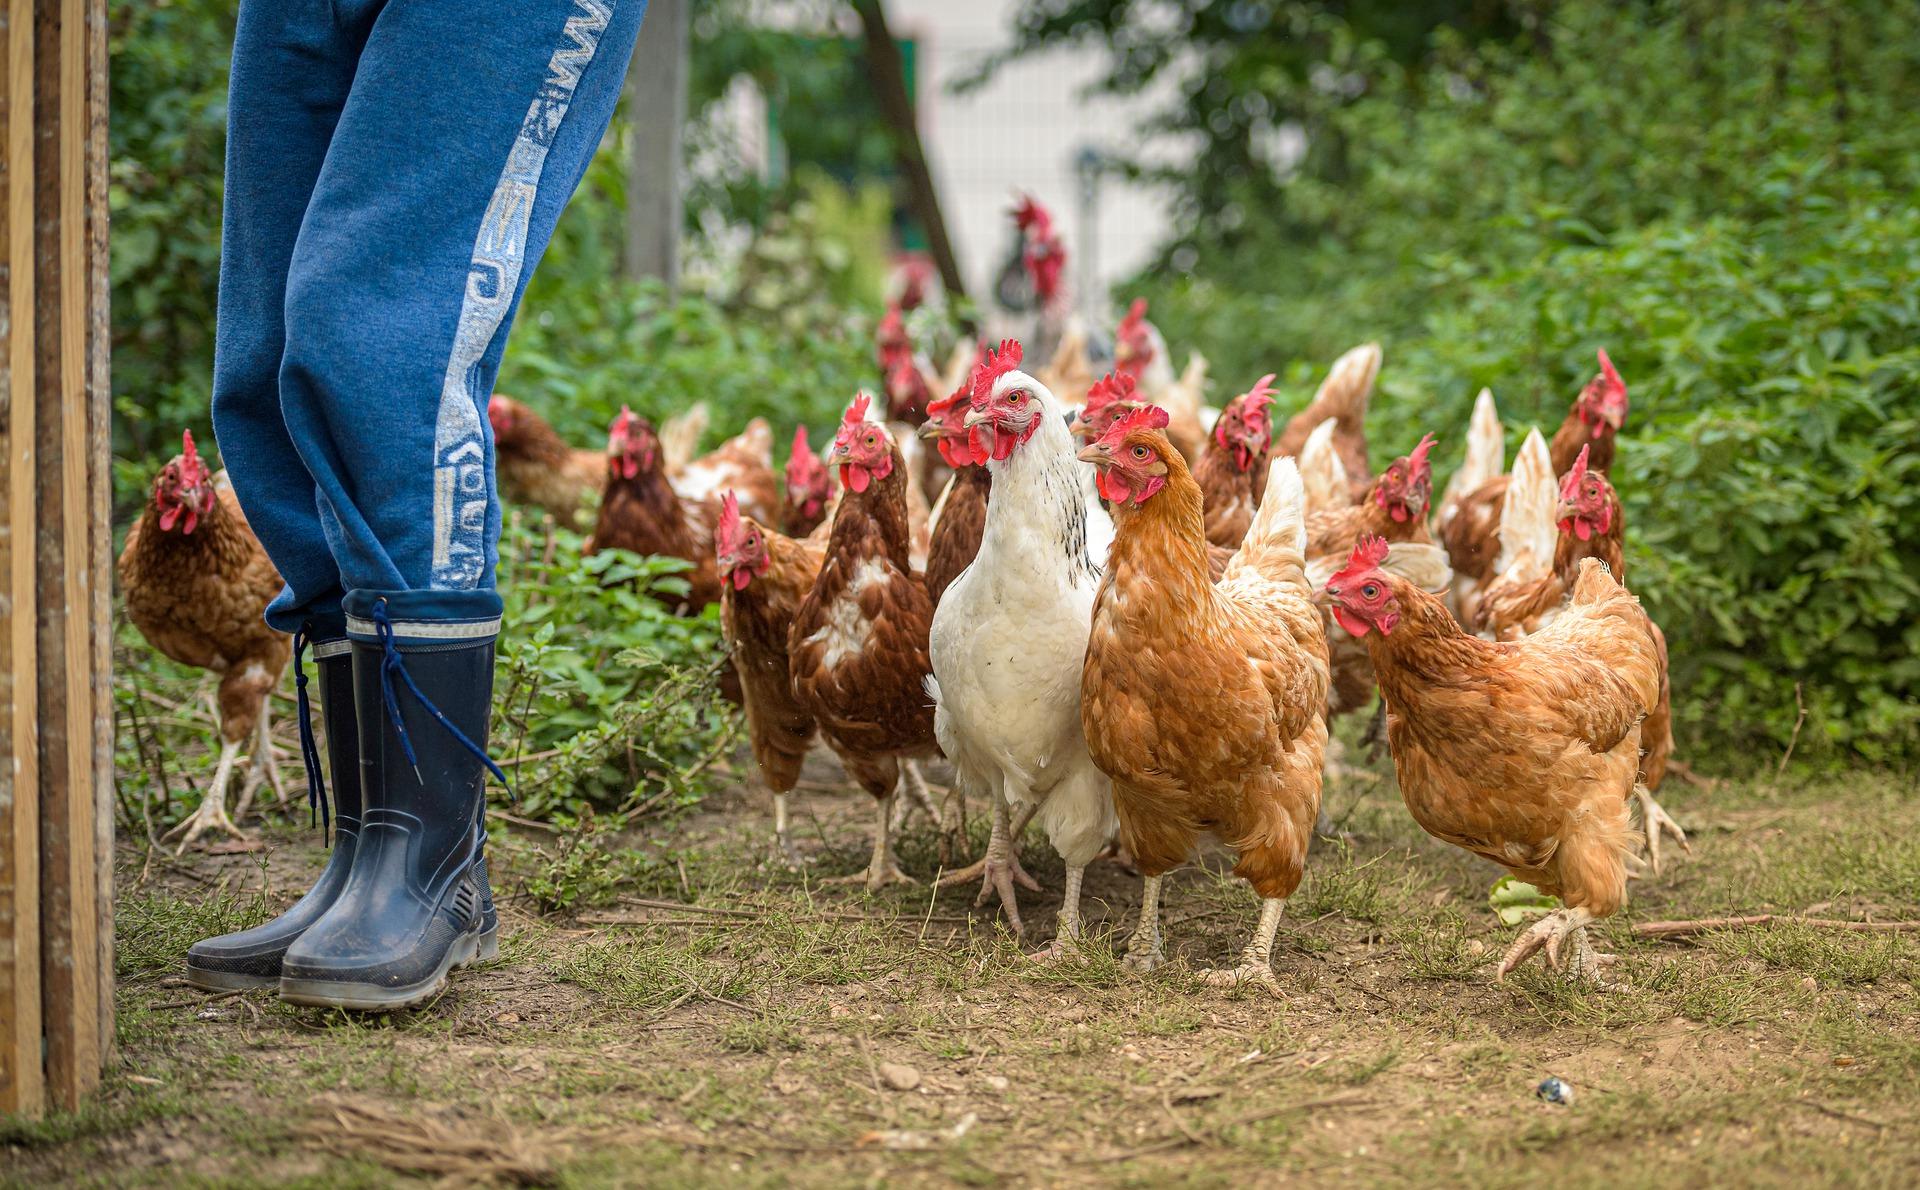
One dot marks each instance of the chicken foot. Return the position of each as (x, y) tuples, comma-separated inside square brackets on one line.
[(1067, 934), (1145, 951), (263, 769), (999, 869), (1561, 928), (1656, 822), (882, 868), (919, 795), (783, 833), (1256, 961), (212, 814)]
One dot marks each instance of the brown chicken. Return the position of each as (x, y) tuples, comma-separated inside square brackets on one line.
[(764, 578), (1232, 471), (960, 518), (1206, 703), (1522, 753), (858, 644), (640, 512), (197, 583), (809, 491), (1529, 596), (1342, 398), (1471, 529), (535, 466)]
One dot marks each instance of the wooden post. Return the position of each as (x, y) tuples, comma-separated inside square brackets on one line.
[(889, 77), (22, 1077), (56, 741), (656, 112)]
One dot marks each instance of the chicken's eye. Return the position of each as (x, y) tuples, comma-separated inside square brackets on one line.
[(1017, 399), (873, 440), (1141, 452), (1370, 591)]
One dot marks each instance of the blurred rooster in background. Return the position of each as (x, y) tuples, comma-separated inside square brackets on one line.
[(810, 489)]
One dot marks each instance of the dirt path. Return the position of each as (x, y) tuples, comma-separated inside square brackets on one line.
[(787, 1033)]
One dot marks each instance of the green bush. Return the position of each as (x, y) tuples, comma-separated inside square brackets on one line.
[(1720, 195)]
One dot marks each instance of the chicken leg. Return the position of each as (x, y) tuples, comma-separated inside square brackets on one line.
[(1561, 928), (1144, 949), (1066, 937), (783, 834), (1256, 961), (1655, 822), (882, 868), (999, 869), (212, 814), (919, 795)]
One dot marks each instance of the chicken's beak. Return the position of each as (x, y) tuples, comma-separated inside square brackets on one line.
[(836, 454), (1079, 428), (930, 430), (1095, 453), (1615, 416), (976, 417), (1566, 511)]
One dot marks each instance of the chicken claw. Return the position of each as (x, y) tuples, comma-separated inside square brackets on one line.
[(1550, 933), (1245, 975), (1656, 822), (212, 814), (881, 869), (999, 869), (919, 795), (1256, 961)]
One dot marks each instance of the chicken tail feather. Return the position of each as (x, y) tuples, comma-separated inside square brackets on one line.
[(1486, 450), (1526, 516), (1276, 541)]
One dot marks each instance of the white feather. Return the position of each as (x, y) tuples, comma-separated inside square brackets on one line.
[(1526, 517), (1486, 454), (1322, 472)]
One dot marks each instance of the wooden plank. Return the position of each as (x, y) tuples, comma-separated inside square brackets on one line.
[(657, 101), (69, 902), (99, 386), (22, 1084)]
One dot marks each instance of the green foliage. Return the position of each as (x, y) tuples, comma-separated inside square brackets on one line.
[(604, 697), (1720, 195), (166, 141)]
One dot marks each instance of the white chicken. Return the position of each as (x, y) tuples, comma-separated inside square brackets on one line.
[(1010, 636)]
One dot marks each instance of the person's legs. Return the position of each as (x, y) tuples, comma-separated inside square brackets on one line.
[(293, 65), (469, 124)]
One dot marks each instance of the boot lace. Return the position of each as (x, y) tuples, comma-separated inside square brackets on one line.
[(309, 750), (391, 666)]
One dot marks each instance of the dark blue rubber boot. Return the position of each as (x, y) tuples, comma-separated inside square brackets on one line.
[(251, 958), (416, 903)]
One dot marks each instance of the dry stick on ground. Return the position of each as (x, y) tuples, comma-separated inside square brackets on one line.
[(1684, 929), (1186, 1138), (1799, 720), (488, 1152)]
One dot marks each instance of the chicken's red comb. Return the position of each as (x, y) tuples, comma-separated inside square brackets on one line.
[(1367, 555), (1028, 214), (994, 366), (1607, 369), (187, 447), (1114, 386), (857, 412), (802, 449), (1417, 462), (1147, 417), (1261, 394), (624, 422), (727, 530), (1570, 486), (939, 407), (1136, 315)]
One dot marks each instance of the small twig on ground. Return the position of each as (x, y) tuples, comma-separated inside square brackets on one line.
[(1685, 929), (202, 1001), (503, 816), (1837, 1114), (1799, 720)]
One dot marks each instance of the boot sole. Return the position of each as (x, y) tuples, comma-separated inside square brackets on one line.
[(228, 981), (367, 997)]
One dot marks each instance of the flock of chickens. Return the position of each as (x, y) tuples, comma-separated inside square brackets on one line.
[(1133, 617)]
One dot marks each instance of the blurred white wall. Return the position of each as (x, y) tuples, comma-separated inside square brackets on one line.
[(1021, 132)]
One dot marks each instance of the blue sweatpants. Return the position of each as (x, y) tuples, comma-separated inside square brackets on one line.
[(395, 169)]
